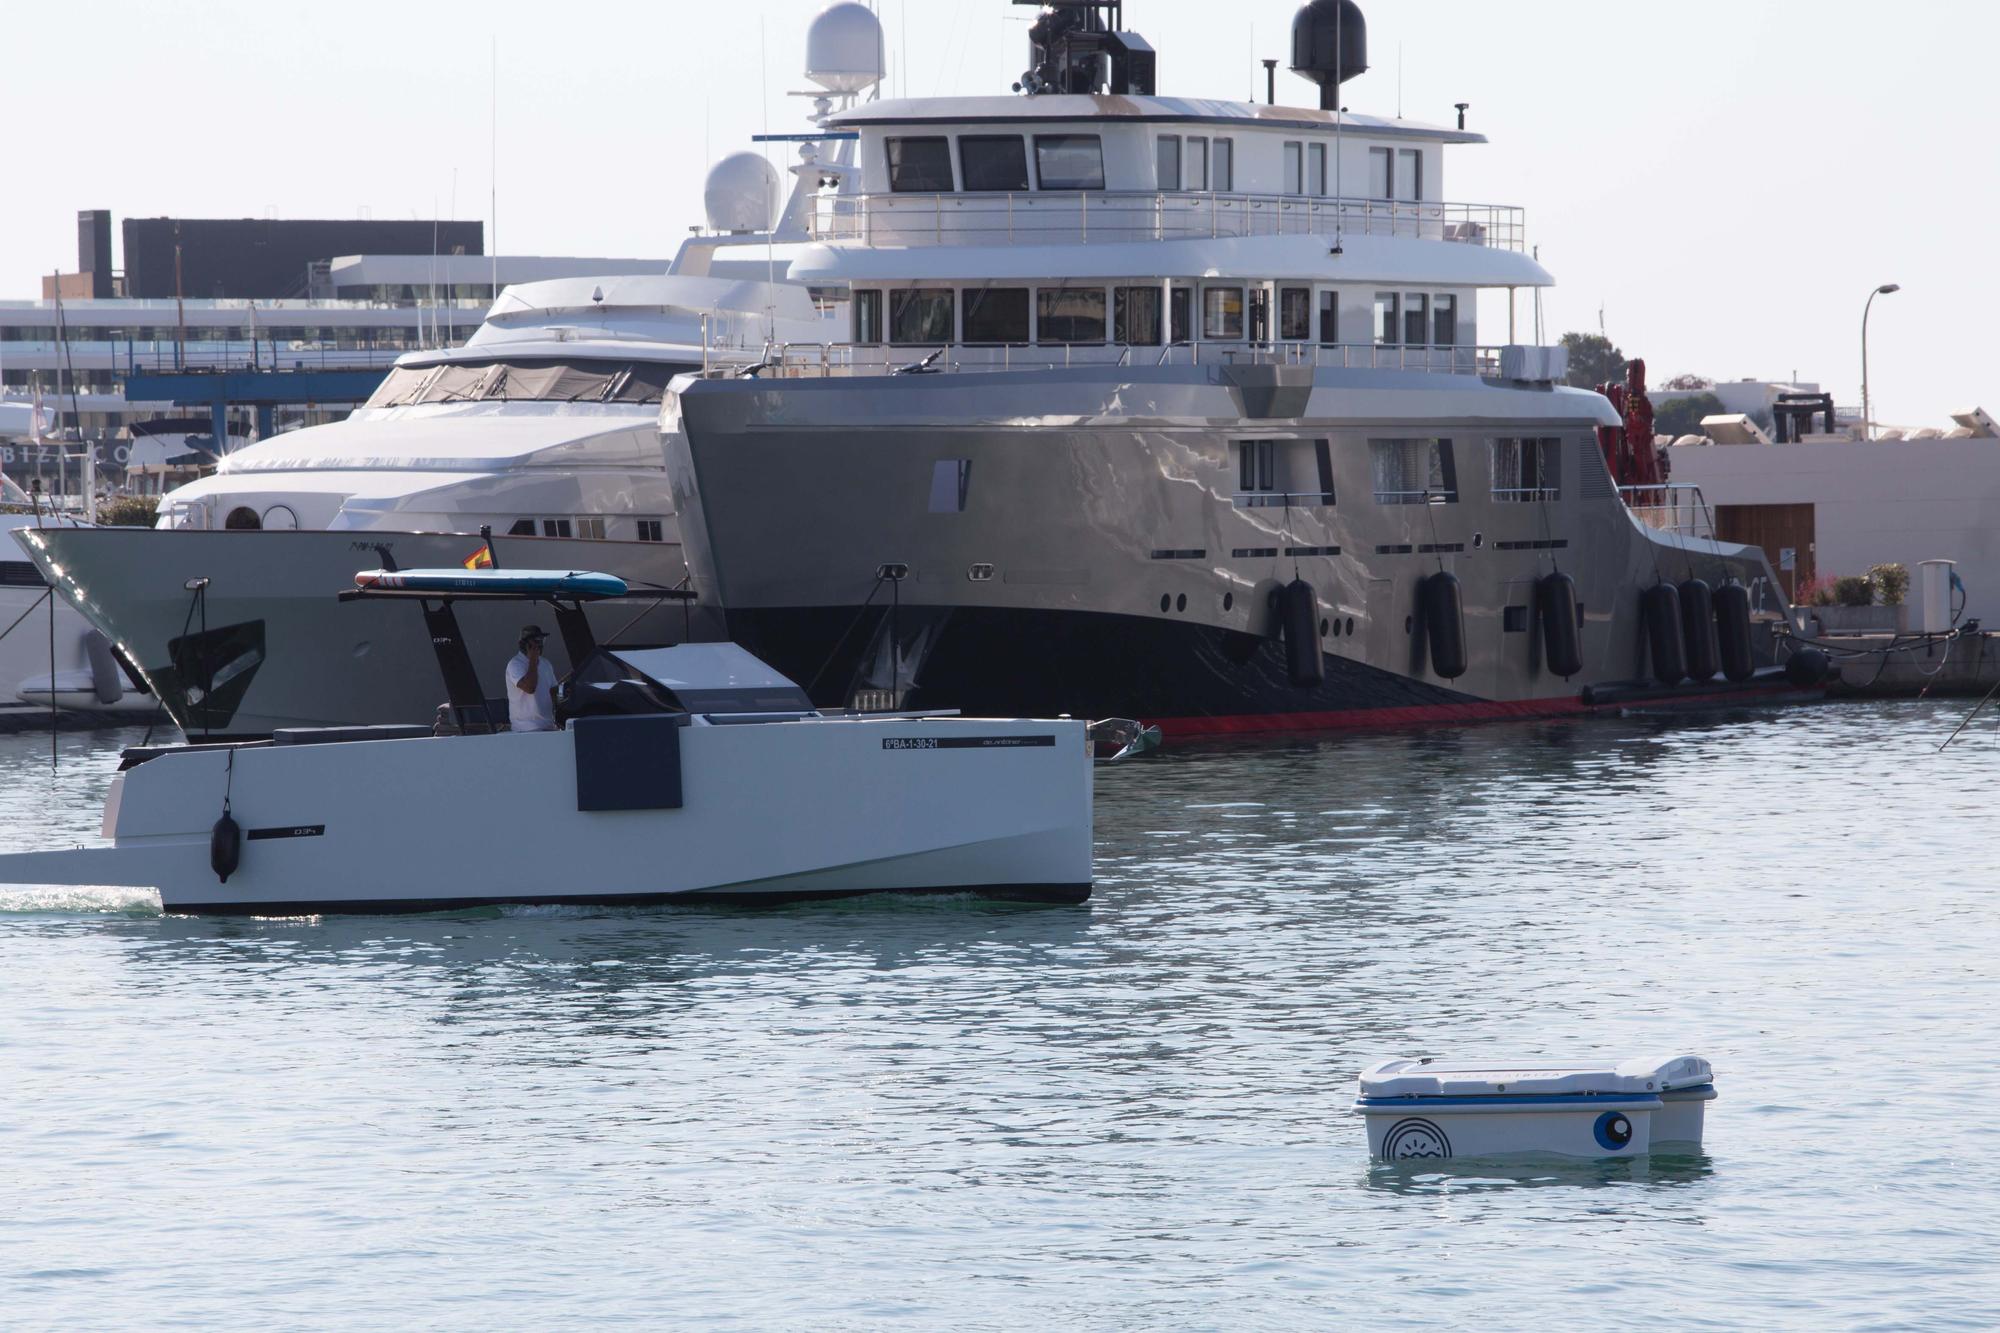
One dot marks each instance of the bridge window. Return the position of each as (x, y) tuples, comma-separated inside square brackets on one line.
[(1413, 472), (1197, 164), (523, 527), (920, 165), (1329, 317), (1527, 470), (1136, 315), (1381, 173), (921, 316), (1444, 321), (1069, 161), (1295, 314), (997, 315), (1225, 165), (993, 163), (1416, 319), (1222, 313), (1070, 315), (1316, 168), (1167, 158), (1388, 319), (867, 317), (1410, 173), (1295, 181)]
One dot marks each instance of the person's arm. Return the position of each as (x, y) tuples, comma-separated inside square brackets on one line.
[(531, 679)]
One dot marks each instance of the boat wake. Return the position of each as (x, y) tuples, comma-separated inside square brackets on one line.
[(73, 900)]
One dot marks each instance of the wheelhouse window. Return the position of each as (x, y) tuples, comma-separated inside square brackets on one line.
[(1413, 472), (920, 165), (1070, 314), (867, 317), (1222, 314), (1527, 470), (1388, 319), (1295, 181), (1225, 166), (1329, 318), (1416, 319), (1135, 315), (1444, 321), (993, 163), (1069, 161), (1295, 314), (1197, 164), (1381, 173), (1410, 173), (528, 379), (997, 315), (1316, 169), (1167, 162), (921, 316)]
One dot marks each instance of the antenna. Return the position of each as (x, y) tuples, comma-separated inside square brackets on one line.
[(493, 166)]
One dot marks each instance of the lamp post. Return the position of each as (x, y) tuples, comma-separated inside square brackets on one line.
[(1867, 414)]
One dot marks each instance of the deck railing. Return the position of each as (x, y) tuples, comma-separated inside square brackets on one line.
[(1674, 507), (832, 360), (1049, 217)]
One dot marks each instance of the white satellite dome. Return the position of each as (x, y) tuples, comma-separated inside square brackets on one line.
[(844, 48), (741, 194)]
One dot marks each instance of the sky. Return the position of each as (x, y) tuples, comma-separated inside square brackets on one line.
[(1724, 182)]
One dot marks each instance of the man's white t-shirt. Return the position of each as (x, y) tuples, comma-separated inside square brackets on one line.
[(536, 711)]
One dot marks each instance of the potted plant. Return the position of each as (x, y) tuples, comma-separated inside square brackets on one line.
[(1854, 610)]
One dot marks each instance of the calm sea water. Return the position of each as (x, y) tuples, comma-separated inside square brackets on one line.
[(1128, 1114)]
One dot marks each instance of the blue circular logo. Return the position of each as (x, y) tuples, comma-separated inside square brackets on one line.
[(1613, 1130), (1414, 1138)]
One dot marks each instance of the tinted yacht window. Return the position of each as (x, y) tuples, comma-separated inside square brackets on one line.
[(997, 315), (920, 165), (921, 316), (1069, 161), (1070, 315), (994, 162)]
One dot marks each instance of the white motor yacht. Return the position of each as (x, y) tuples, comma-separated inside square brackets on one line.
[(64, 667), (682, 772)]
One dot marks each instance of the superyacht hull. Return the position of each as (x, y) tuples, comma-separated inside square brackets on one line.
[(262, 645), (1084, 541)]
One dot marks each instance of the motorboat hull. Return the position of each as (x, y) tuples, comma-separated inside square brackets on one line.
[(776, 810), (264, 647)]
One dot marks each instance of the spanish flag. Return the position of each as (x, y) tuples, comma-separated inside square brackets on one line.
[(479, 559)]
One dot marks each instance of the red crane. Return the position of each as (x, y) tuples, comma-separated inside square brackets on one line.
[(1629, 449)]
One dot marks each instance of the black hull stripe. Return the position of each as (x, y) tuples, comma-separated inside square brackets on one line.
[(1019, 893)]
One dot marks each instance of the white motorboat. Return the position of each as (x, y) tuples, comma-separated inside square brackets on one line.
[(692, 771)]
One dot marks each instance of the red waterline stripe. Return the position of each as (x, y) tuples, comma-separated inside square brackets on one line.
[(1355, 719)]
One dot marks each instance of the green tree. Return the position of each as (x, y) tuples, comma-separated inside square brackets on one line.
[(1593, 360), (1682, 415)]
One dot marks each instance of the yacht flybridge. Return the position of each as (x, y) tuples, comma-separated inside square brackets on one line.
[(682, 772), (1178, 408)]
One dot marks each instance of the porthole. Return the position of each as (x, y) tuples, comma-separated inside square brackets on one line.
[(243, 519), (1350, 625), (280, 518), (1180, 602), (1228, 600), (1166, 603), (1409, 624), (1322, 628), (1478, 540), (1336, 627)]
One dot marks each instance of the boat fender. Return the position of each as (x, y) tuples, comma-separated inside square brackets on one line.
[(225, 846), (1562, 642), (1698, 629), (1444, 623), (1732, 631), (1660, 607), (1808, 667), (105, 677), (1298, 613)]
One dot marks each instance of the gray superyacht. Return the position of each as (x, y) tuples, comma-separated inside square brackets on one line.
[(1176, 409)]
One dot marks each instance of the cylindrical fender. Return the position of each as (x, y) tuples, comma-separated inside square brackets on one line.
[(1660, 605), (1732, 631), (1698, 629), (1444, 623), (1298, 613), (1562, 641)]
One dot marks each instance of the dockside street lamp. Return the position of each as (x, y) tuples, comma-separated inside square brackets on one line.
[(1867, 413)]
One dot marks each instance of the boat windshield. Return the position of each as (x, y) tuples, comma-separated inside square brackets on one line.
[(525, 379)]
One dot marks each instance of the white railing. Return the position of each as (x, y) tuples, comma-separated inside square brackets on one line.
[(1674, 507), (1049, 217), (833, 360)]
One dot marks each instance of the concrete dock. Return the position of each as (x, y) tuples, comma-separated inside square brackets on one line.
[(1885, 666)]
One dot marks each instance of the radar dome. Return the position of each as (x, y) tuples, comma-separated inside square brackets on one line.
[(741, 194), (1329, 46), (844, 48)]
